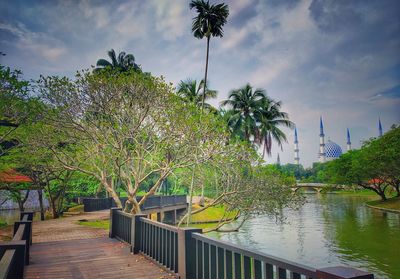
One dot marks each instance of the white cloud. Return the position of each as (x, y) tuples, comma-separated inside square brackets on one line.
[(35, 42)]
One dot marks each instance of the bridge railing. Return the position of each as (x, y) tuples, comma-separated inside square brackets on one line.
[(192, 255), (95, 204), (14, 254), (225, 259)]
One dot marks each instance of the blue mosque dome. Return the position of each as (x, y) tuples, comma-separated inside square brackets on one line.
[(332, 150)]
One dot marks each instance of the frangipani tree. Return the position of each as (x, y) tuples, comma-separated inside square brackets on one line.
[(128, 126)]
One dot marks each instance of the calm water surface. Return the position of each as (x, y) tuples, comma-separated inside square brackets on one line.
[(328, 230)]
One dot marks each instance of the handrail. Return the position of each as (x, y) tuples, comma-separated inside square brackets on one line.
[(158, 224), (269, 259), (6, 263), (19, 235), (14, 254), (152, 202), (190, 254)]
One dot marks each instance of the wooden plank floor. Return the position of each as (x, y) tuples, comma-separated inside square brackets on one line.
[(89, 258)]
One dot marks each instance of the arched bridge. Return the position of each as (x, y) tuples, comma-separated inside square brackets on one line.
[(317, 187)]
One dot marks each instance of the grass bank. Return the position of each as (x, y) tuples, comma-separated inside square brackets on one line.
[(211, 215), (208, 216), (392, 204)]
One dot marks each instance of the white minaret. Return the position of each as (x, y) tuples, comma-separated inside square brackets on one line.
[(296, 148), (348, 140), (321, 153), (278, 160)]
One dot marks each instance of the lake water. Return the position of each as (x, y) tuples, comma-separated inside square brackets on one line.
[(328, 230)]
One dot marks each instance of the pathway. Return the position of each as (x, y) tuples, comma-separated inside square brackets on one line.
[(63, 249)]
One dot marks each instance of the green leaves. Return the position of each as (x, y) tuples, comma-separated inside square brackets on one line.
[(255, 117), (209, 20)]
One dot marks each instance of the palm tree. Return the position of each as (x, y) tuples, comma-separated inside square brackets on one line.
[(246, 107), (255, 117), (192, 91), (123, 62), (208, 22), (270, 119)]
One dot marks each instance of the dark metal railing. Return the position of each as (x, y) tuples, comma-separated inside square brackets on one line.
[(122, 225), (215, 257), (95, 204), (14, 254), (192, 255), (160, 242)]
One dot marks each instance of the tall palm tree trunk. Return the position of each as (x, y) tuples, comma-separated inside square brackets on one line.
[(202, 106), (205, 74)]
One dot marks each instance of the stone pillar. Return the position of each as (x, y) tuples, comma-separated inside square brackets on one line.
[(342, 272)]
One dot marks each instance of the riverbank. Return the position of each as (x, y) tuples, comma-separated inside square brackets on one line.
[(390, 205), (209, 216), (358, 193)]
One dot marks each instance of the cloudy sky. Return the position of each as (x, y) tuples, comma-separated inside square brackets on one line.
[(338, 59)]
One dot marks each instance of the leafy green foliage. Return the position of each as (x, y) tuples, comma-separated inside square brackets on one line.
[(375, 166), (123, 63), (193, 92), (256, 118), (209, 20)]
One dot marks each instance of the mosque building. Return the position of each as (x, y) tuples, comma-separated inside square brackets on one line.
[(330, 150)]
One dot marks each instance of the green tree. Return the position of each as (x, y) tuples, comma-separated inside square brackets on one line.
[(270, 119), (384, 152), (128, 127), (123, 62), (192, 91), (256, 118), (246, 108), (357, 167), (208, 23)]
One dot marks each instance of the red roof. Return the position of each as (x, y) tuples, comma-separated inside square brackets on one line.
[(12, 176), (375, 181)]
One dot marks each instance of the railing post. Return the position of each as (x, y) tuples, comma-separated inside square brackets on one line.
[(136, 231), (342, 272), (20, 260), (186, 246), (112, 210), (26, 236), (29, 213)]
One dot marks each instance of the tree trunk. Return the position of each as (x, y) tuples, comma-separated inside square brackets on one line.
[(205, 74), (53, 207), (21, 201), (40, 197), (189, 213)]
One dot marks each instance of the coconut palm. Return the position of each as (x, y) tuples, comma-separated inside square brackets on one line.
[(208, 23), (192, 91), (270, 119), (246, 105), (255, 117), (123, 62)]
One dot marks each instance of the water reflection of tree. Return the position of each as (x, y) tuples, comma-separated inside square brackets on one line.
[(361, 235)]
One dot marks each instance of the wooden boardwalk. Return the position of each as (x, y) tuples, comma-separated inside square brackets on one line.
[(91, 257)]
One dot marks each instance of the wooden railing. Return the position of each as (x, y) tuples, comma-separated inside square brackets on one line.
[(192, 255), (14, 254), (95, 204)]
